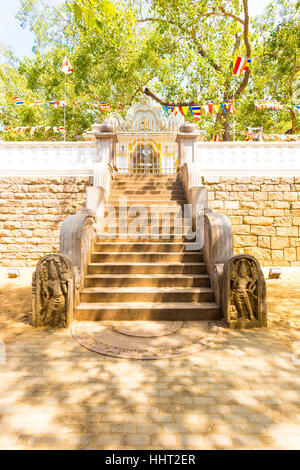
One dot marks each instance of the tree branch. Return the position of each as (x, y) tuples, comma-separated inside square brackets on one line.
[(168, 103)]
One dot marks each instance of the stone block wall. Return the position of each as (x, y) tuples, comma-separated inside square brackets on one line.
[(265, 214), (31, 213)]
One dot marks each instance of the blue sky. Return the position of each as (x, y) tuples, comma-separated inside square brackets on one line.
[(21, 41)]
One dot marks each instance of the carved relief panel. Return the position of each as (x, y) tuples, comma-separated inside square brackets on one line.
[(52, 292), (244, 293)]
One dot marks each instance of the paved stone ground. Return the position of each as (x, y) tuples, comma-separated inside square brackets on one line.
[(243, 393)]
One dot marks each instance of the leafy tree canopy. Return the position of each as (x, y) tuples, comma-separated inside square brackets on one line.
[(178, 52)]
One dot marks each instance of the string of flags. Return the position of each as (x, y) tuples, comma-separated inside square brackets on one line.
[(198, 111), (103, 106), (268, 104), (251, 136), (21, 130)]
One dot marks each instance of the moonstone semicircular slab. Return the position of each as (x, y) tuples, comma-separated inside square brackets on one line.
[(102, 337)]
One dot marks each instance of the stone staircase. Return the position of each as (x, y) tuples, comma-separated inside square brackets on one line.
[(156, 274)]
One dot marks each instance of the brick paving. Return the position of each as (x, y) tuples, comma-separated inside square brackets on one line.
[(243, 393)]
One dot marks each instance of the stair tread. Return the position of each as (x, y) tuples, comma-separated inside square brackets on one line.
[(146, 289), (142, 253), (145, 243), (146, 276), (134, 263), (146, 305)]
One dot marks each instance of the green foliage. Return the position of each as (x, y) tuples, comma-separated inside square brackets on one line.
[(182, 50)]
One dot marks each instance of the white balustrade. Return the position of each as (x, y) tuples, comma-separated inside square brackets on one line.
[(47, 158), (247, 158), (209, 159)]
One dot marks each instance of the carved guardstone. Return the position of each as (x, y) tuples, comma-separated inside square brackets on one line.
[(244, 293), (52, 292)]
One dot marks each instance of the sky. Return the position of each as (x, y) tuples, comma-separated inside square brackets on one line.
[(21, 41)]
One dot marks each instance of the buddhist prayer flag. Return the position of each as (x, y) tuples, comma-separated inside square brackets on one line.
[(66, 67), (184, 110), (37, 103), (240, 65), (17, 100), (196, 111), (210, 107), (216, 138)]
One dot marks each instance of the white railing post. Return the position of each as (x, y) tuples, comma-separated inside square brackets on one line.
[(187, 139), (106, 143)]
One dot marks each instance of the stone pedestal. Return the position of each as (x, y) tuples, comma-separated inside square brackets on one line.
[(106, 143), (187, 139)]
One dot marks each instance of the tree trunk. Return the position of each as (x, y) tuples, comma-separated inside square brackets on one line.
[(226, 127)]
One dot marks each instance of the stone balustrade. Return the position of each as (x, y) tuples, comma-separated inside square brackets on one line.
[(246, 158), (47, 158)]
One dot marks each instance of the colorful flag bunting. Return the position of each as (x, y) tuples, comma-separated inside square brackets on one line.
[(216, 138)]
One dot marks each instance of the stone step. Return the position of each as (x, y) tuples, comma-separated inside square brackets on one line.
[(146, 294), (151, 257), (151, 280), (188, 311), (143, 198), (149, 232), (107, 237), (142, 227), (180, 194), (144, 186), (146, 224), (147, 177), (133, 210), (146, 268), (144, 247)]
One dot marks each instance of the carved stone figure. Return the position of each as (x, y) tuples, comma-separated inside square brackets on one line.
[(52, 291), (244, 293)]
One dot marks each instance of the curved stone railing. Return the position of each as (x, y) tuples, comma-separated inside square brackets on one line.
[(77, 236), (217, 249)]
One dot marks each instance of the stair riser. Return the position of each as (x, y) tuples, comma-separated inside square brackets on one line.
[(131, 200), (148, 178), (147, 187), (106, 237), (143, 247), (152, 269), (178, 213), (132, 229), (146, 257), (149, 282), (147, 192), (148, 232), (166, 219), (210, 314), (146, 297)]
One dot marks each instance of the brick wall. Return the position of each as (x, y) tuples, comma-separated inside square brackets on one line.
[(31, 213), (265, 214)]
